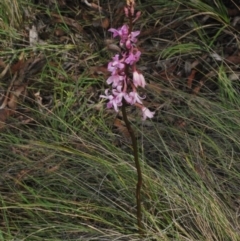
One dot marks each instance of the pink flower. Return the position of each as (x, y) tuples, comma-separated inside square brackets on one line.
[(115, 65), (133, 97), (138, 14), (126, 11), (115, 80), (132, 39), (146, 113), (125, 38), (133, 36), (133, 58), (115, 99), (138, 79), (121, 32)]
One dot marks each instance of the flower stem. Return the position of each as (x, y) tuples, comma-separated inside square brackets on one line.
[(138, 167)]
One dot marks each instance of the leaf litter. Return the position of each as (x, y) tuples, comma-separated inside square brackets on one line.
[(18, 77)]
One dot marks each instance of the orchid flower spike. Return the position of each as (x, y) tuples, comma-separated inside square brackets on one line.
[(124, 77)]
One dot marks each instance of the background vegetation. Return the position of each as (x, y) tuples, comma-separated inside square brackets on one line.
[(67, 170)]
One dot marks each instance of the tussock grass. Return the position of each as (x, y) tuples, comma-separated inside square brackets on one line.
[(69, 175)]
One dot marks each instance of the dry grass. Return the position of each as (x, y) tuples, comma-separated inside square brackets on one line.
[(66, 162)]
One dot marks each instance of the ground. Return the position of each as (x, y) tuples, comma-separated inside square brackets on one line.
[(66, 162)]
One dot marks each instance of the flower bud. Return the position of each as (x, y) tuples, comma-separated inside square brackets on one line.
[(138, 79)]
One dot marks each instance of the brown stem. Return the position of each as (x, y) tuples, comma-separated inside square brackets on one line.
[(137, 164)]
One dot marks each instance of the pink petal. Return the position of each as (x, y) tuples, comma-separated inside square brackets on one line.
[(138, 79), (147, 113), (114, 31), (133, 97), (134, 35)]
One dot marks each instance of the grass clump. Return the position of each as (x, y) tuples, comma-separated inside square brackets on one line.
[(67, 172)]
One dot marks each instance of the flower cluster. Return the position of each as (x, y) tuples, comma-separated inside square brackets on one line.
[(125, 78)]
